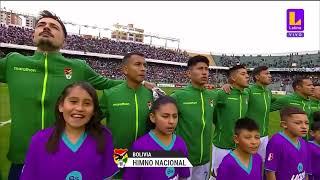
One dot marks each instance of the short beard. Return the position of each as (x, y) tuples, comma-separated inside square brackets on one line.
[(46, 45)]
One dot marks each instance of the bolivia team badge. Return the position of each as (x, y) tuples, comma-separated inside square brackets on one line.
[(120, 157), (68, 73)]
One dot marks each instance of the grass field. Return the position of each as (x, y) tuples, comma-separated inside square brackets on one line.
[(5, 130)]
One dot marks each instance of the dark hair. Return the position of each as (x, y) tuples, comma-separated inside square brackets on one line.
[(48, 14), (197, 59), (288, 111), (235, 68), (298, 81), (245, 124), (315, 126), (162, 100), (257, 71), (128, 55), (94, 127)]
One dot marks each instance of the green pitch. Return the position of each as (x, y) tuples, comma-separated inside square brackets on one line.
[(5, 130)]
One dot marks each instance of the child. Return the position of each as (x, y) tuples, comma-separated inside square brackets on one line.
[(164, 118), (287, 154), (314, 147), (243, 162), (78, 146)]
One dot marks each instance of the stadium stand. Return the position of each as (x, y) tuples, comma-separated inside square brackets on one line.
[(165, 71)]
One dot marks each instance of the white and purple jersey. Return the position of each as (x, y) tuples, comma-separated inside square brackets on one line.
[(231, 168), (78, 161), (288, 160), (314, 149), (150, 142)]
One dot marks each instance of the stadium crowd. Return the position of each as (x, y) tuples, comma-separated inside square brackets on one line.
[(23, 36)]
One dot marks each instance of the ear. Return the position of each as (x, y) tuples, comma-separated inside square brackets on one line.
[(125, 69), (60, 107), (236, 139), (152, 117), (312, 133), (189, 73), (283, 124)]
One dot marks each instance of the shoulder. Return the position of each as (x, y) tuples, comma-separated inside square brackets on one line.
[(140, 143), (115, 89), (276, 139), (227, 161), (257, 158), (180, 142), (14, 54), (146, 91), (42, 135)]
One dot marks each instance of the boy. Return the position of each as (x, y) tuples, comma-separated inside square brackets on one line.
[(244, 161), (287, 153)]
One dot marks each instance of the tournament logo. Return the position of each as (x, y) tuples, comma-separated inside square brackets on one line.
[(300, 167), (68, 73), (120, 157), (170, 171), (74, 175)]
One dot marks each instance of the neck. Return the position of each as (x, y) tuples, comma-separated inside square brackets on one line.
[(199, 86), (237, 86), (47, 50), (133, 84), (260, 84), (74, 133), (242, 154), (291, 136), (164, 138), (302, 95)]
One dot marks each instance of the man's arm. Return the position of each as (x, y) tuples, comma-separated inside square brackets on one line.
[(3, 65), (104, 104), (100, 82), (278, 103)]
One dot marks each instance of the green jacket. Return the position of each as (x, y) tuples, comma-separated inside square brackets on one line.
[(127, 111), (294, 100), (259, 106), (195, 121), (315, 106), (230, 107), (35, 83)]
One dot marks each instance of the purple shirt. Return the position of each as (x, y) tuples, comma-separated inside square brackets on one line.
[(232, 163), (71, 161), (149, 142), (314, 150), (288, 160)]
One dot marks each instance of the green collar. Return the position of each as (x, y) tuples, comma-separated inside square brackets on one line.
[(38, 54), (190, 86), (125, 83), (259, 86), (300, 97)]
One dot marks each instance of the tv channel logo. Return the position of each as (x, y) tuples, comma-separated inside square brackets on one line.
[(295, 22)]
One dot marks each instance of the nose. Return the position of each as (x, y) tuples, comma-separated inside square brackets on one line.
[(171, 120), (79, 107), (304, 126)]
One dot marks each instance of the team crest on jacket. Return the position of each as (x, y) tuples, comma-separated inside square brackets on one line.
[(211, 102), (149, 105), (68, 73)]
